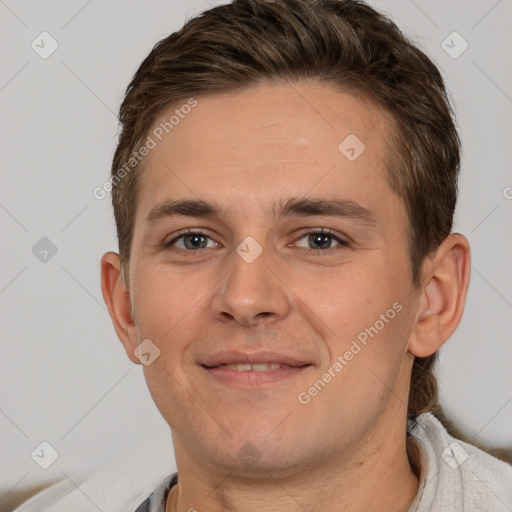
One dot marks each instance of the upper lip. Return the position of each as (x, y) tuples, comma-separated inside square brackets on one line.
[(239, 357)]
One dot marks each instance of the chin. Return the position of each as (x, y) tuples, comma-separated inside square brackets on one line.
[(251, 462), (255, 452)]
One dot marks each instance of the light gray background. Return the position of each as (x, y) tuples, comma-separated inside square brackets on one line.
[(64, 376)]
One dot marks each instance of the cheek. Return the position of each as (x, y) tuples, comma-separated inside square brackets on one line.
[(350, 299), (367, 318), (169, 312), (167, 305)]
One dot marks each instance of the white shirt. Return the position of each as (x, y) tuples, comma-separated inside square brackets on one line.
[(455, 477)]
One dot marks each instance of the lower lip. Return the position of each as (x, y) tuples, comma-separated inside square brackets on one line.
[(253, 379)]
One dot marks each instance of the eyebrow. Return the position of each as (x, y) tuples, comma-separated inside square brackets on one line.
[(295, 206)]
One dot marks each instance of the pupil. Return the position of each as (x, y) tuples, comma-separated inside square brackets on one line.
[(195, 241), (321, 239)]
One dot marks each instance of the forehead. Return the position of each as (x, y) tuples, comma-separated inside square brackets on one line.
[(265, 142)]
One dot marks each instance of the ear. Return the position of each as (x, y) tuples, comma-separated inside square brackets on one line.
[(117, 298), (444, 285)]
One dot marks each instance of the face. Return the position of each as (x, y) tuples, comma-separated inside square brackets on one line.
[(280, 295)]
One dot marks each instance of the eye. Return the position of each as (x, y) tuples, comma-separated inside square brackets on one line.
[(321, 239), (190, 240)]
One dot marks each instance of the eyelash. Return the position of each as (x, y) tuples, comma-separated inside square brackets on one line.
[(189, 232)]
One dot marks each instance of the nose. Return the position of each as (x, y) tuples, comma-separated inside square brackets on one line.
[(252, 292)]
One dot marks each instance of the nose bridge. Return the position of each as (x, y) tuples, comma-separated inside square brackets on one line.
[(251, 287)]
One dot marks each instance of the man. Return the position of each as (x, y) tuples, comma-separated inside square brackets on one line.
[(284, 188), (287, 267)]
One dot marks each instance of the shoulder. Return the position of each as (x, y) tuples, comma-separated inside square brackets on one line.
[(457, 474), (121, 485), (156, 502)]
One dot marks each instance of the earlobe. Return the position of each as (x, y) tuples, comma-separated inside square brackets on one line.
[(117, 298), (443, 296)]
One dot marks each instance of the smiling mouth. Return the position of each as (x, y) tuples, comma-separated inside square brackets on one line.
[(256, 367), (253, 375)]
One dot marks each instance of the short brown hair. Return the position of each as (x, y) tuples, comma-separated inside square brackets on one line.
[(344, 43)]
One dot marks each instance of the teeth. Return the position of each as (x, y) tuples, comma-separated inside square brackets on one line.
[(261, 367), (258, 367), (238, 367)]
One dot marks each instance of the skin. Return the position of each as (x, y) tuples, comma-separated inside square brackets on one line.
[(346, 448)]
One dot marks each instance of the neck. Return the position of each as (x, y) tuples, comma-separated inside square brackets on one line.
[(379, 476)]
